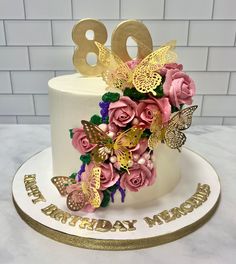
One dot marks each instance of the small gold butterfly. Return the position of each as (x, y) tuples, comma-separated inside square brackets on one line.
[(145, 77), (171, 134), (61, 182), (105, 145), (87, 191)]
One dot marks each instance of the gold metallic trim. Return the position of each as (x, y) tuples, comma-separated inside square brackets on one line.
[(114, 244)]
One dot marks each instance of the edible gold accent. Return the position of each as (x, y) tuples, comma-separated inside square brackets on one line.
[(86, 46), (118, 226), (166, 216), (32, 188), (138, 31)]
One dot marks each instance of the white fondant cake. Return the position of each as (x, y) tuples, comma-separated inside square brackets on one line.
[(74, 98)]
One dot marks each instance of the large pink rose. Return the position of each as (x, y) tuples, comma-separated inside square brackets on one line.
[(108, 175), (179, 87), (122, 112), (147, 107), (170, 66), (80, 141), (139, 177)]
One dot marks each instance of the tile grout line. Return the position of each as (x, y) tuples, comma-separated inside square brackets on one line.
[(117, 19), (72, 9), (229, 81), (5, 32), (24, 9), (34, 104), (201, 112), (188, 33), (164, 10), (119, 9), (235, 39), (52, 39), (213, 9), (10, 75), (29, 58), (207, 58)]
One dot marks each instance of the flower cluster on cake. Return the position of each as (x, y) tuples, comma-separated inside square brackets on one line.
[(116, 147)]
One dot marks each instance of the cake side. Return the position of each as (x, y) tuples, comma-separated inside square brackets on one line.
[(74, 98)]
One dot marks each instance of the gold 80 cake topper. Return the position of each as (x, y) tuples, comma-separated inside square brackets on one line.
[(129, 28)]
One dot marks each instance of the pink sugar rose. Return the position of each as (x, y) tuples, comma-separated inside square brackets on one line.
[(170, 66), (80, 141), (122, 112), (139, 177), (141, 147), (132, 63), (147, 107), (108, 175), (179, 87)]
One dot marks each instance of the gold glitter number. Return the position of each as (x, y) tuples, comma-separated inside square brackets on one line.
[(86, 46), (139, 32)]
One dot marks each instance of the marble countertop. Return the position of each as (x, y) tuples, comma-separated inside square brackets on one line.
[(214, 242)]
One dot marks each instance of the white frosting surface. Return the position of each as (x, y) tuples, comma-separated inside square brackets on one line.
[(74, 98)]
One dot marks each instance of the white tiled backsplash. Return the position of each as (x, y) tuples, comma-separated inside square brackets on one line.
[(36, 45)]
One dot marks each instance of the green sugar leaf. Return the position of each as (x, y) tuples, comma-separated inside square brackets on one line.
[(106, 199), (96, 120), (71, 133), (110, 97), (85, 158)]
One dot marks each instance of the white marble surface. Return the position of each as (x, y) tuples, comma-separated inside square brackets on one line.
[(214, 242)]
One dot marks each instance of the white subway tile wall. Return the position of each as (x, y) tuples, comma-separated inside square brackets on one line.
[(36, 45)]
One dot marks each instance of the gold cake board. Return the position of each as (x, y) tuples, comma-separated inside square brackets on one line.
[(143, 236)]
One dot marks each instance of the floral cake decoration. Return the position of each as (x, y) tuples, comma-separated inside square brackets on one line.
[(117, 146)]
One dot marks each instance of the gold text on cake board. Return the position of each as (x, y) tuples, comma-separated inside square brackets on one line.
[(196, 200), (32, 188)]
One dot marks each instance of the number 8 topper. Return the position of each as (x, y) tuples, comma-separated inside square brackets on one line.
[(145, 77)]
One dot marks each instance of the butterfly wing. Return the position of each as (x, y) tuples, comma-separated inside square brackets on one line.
[(94, 177), (94, 134), (76, 200), (174, 138), (155, 129), (117, 74), (182, 120), (123, 157), (146, 77), (60, 182), (130, 138), (91, 186)]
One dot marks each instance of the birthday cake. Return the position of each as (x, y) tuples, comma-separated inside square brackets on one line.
[(117, 176), (117, 139)]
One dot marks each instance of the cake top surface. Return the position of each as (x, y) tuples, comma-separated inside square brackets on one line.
[(78, 84)]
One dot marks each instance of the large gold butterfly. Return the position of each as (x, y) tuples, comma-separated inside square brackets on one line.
[(145, 77), (87, 191), (105, 145), (171, 134)]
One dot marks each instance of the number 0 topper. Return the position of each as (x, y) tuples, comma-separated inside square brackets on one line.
[(145, 77)]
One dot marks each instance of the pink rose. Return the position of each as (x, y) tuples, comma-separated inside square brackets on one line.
[(147, 107), (139, 177), (141, 147), (179, 87), (122, 112), (108, 175), (170, 66), (132, 63), (80, 141)]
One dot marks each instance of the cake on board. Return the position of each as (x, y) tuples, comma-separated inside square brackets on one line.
[(118, 131)]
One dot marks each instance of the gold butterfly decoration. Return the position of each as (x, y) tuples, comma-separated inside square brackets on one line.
[(145, 77), (171, 134), (105, 145), (87, 191)]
